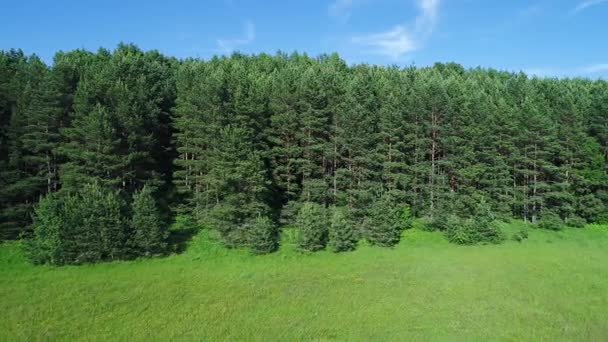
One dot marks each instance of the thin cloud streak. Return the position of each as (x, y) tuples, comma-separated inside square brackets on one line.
[(341, 9), (393, 43), (568, 72), (592, 69), (230, 45), (399, 41), (586, 4)]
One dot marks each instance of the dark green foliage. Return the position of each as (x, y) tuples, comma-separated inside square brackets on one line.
[(602, 219), (444, 221), (48, 244), (459, 231), (484, 225), (149, 231), (551, 221), (32, 135), (470, 232), (263, 236), (385, 222), (341, 234), (93, 150), (237, 187), (119, 134), (313, 224), (86, 227), (576, 222), (233, 139), (480, 228), (591, 208), (406, 218), (520, 235)]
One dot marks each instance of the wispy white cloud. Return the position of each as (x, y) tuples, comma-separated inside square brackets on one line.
[(341, 9), (399, 41), (394, 43), (593, 69), (586, 4), (229, 45), (425, 22), (584, 71)]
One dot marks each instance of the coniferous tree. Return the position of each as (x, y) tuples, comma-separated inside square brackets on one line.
[(286, 139), (29, 170), (263, 236), (243, 137), (125, 96), (238, 186), (48, 244), (484, 227), (85, 227), (341, 233), (313, 226), (148, 229), (384, 224), (93, 151)]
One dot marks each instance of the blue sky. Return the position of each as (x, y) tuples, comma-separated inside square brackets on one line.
[(541, 37)]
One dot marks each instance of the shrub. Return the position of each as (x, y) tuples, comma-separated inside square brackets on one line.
[(485, 228), (602, 219), (341, 235), (47, 246), (312, 223), (149, 231), (407, 220), (459, 231), (520, 235), (481, 228), (591, 208), (551, 221), (443, 221), (263, 236), (576, 222), (384, 223), (79, 228), (225, 222)]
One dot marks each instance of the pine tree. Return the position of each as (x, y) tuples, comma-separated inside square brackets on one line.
[(263, 236), (287, 157), (238, 186), (484, 228), (431, 106), (122, 100), (313, 226), (85, 227), (392, 144), (198, 116), (47, 245), (93, 151), (149, 230), (341, 233), (32, 136), (358, 175), (314, 130), (384, 225)]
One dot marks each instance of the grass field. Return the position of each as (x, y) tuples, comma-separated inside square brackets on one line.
[(553, 286)]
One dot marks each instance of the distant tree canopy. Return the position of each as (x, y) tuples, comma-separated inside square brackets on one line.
[(244, 143)]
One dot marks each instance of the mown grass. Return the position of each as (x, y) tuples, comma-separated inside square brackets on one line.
[(552, 286)]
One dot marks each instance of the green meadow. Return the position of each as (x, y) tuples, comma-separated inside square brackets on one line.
[(552, 286)]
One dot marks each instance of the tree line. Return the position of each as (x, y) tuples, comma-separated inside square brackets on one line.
[(99, 150)]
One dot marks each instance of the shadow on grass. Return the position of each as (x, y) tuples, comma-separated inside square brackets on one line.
[(178, 239)]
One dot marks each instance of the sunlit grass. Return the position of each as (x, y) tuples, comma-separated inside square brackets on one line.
[(552, 286)]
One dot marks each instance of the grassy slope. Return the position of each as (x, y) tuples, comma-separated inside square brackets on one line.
[(553, 286)]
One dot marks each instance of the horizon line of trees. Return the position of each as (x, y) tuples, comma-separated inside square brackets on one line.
[(246, 144)]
